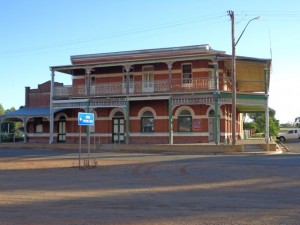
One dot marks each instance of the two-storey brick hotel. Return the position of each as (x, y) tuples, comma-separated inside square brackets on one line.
[(166, 95)]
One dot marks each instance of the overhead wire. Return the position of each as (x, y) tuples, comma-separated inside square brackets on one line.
[(98, 37)]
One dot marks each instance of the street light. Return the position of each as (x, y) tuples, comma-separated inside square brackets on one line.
[(233, 74)]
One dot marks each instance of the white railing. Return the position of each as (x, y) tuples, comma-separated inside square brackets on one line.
[(157, 86), (140, 87)]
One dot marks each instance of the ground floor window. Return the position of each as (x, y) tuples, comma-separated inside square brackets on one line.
[(185, 121), (147, 122), (38, 124)]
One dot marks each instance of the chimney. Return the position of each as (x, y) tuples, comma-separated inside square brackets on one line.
[(27, 90)]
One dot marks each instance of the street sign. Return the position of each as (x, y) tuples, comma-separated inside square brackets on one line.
[(86, 119)]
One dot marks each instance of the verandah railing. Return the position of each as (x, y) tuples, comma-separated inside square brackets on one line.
[(140, 87), (136, 87)]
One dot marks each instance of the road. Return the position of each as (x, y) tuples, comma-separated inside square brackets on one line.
[(44, 187), (293, 145)]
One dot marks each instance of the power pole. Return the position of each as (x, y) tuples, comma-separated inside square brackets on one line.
[(233, 80)]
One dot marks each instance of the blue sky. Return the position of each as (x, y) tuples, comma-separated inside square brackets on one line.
[(38, 34)]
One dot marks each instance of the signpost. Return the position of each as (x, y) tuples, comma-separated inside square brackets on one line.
[(85, 119)]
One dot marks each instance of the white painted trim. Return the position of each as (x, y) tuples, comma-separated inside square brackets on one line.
[(191, 134), (59, 115), (113, 112), (155, 118), (38, 135), (144, 109), (184, 107), (149, 98), (154, 134)]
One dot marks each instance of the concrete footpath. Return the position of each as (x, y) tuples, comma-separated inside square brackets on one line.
[(244, 147)]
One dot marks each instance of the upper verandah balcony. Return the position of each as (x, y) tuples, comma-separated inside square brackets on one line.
[(251, 73), (156, 87)]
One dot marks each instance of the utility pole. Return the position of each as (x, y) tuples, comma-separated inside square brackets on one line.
[(233, 73), (233, 80)]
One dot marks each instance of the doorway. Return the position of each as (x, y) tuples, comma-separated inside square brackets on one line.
[(211, 125), (61, 136), (118, 131)]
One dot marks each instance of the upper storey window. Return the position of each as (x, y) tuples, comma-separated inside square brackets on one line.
[(186, 71)]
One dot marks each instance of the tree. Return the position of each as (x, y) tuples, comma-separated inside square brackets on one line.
[(250, 126), (10, 110), (287, 125), (1, 109), (260, 121), (297, 121)]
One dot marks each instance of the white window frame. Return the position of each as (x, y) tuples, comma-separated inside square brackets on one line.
[(148, 84), (188, 81)]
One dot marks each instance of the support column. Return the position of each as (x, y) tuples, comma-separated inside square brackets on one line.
[(88, 93), (51, 116), (170, 121), (170, 74), (127, 69), (88, 71), (25, 129), (127, 121), (216, 105), (267, 118)]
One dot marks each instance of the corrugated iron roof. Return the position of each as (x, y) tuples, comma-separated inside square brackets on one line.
[(29, 112)]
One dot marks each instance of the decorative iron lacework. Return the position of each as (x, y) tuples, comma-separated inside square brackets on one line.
[(192, 100), (94, 103)]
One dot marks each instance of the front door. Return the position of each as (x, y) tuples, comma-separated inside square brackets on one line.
[(118, 135), (61, 136)]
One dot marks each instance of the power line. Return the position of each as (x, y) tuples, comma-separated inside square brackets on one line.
[(98, 37)]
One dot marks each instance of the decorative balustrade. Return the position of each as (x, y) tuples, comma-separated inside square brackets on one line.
[(135, 87), (142, 87)]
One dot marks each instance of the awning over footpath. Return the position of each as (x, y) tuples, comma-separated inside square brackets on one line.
[(27, 112)]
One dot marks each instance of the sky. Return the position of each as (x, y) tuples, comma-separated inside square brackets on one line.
[(38, 34)]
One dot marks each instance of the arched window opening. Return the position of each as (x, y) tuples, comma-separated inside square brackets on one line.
[(185, 121), (119, 114), (211, 113), (147, 122)]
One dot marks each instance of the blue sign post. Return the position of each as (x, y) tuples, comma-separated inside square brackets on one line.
[(85, 119)]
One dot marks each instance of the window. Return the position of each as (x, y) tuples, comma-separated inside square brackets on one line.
[(185, 121), (186, 74), (38, 123), (147, 122), (148, 78), (93, 80), (131, 80)]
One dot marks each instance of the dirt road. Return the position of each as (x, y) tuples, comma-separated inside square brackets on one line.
[(46, 187)]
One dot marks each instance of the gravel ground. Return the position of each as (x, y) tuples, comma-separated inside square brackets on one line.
[(45, 187)]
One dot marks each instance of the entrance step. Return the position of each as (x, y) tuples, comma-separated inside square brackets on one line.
[(252, 148)]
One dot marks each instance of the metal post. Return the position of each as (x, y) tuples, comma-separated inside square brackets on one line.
[(267, 117), (51, 116), (79, 164), (127, 120), (170, 121), (88, 74), (216, 105)]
